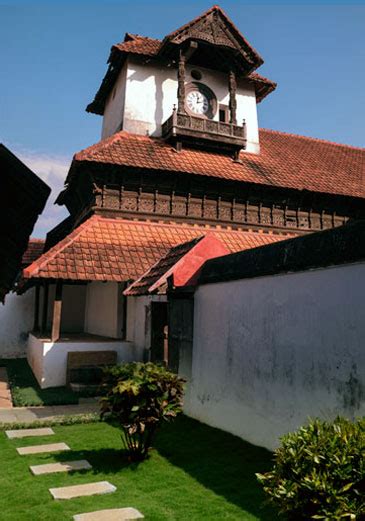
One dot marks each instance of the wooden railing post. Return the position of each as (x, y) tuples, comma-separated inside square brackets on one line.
[(181, 84), (232, 83)]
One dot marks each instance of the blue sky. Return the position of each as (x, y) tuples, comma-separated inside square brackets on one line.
[(53, 57)]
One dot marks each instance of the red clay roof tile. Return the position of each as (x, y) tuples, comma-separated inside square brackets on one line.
[(285, 160), (140, 242), (34, 250)]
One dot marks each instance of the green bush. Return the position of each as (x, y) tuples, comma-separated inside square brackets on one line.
[(139, 397), (319, 472)]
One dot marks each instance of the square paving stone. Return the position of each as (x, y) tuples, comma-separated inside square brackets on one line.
[(24, 433), (67, 466), (88, 489), (41, 449), (114, 514)]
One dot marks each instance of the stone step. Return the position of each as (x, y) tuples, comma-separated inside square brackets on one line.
[(24, 433), (41, 449), (67, 466), (113, 514), (88, 489)]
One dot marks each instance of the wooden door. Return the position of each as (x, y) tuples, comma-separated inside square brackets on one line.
[(181, 318), (159, 332)]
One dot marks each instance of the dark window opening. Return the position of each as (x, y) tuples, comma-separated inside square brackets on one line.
[(223, 114)]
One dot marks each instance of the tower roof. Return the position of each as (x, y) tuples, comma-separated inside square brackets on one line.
[(216, 35)]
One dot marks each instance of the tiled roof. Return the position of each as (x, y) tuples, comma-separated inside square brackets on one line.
[(120, 250), (136, 44), (144, 46), (285, 160), (33, 251), (142, 285)]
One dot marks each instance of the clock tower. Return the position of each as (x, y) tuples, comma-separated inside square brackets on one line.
[(195, 87)]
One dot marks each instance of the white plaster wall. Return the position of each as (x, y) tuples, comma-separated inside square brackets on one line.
[(139, 322), (35, 357), (16, 320), (103, 309), (48, 360), (270, 352), (114, 107), (148, 92)]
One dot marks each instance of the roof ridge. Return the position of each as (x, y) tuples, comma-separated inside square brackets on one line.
[(203, 229), (61, 245), (142, 37), (310, 138)]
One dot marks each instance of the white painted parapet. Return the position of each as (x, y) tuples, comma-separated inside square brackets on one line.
[(48, 360)]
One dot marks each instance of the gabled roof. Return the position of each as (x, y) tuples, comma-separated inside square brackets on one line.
[(285, 161), (182, 263), (135, 44), (215, 27), (120, 250), (152, 280)]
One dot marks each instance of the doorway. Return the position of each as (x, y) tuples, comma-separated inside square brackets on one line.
[(159, 332)]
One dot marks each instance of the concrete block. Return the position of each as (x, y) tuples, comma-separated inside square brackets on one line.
[(114, 514), (67, 466), (41, 449), (24, 433), (88, 489)]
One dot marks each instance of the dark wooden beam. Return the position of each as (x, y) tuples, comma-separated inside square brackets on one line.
[(45, 307), (181, 84), (232, 84), (57, 310), (36, 309), (190, 50)]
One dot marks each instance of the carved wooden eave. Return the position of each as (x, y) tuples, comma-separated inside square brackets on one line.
[(214, 30)]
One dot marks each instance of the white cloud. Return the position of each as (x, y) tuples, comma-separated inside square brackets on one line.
[(53, 171)]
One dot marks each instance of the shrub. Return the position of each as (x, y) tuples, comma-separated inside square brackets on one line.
[(139, 397), (319, 472)]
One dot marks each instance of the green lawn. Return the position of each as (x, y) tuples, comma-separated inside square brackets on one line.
[(26, 391), (195, 473)]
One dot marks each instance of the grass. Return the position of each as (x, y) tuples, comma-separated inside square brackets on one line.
[(194, 473), (25, 390)]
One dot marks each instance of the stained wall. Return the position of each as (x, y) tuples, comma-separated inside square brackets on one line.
[(269, 352)]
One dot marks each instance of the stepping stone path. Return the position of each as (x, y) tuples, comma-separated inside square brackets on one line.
[(114, 514), (67, 466), (24, 433), (5, 395), (42, 449), (88, 489)]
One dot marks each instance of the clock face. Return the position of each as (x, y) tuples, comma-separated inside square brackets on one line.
[(197, 102)]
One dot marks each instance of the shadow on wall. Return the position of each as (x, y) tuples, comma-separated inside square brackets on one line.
[(147, 127)]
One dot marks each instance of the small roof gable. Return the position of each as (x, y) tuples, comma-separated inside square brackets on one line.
[(183, 263), (215, 28)]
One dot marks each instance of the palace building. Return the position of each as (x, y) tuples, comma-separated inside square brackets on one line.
[(182, 174)]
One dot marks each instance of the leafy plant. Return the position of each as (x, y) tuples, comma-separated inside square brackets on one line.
[(139, 397), (319, 472)]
